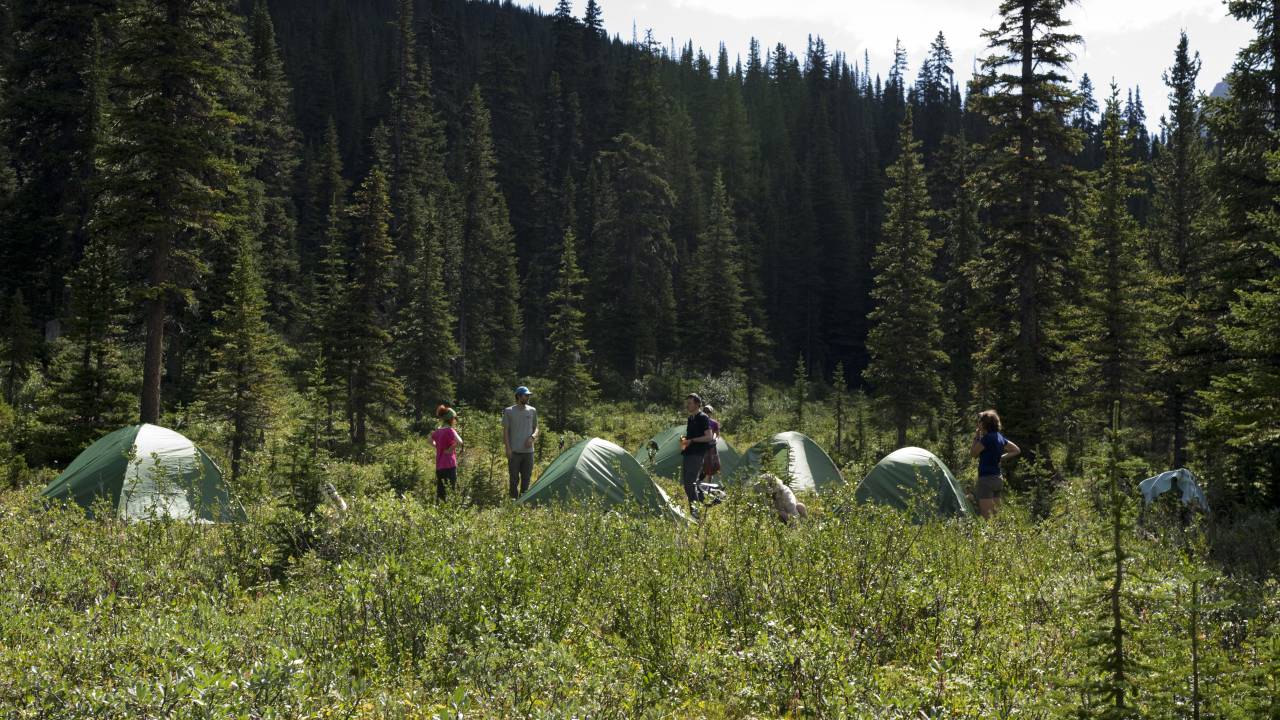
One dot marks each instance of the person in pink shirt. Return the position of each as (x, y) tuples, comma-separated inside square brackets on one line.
[(447, 443)]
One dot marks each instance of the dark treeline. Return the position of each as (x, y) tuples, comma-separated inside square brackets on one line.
[(211, 205)]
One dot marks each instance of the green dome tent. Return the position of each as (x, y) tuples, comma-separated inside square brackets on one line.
[(808, 465), (914, 477), (146, 471), (666, 460), (597, 469)]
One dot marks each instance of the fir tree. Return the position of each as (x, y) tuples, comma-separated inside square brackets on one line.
[(243, 386), (170, 167), (90, 389), (905, 338), (573, 387), (1022, 93), (374, 393), (1185, 254), (489, 317)]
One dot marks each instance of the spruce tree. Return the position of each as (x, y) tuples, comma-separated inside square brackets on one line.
[(905, 338), (325, 193), (800, 391), (1116, 343), (960, 249), (325, 341), (51, 129), (1110, 687), (716, 322), (573, 387), (274, 145), (1242, 424), (631, 286), (90, 389), (417, 138), (169, 167), (426, 346), (374, 393), (243, 386), (1244, 126), (840, 406), (1185, 254), (489, 318), (1023, 94), (20, 347)]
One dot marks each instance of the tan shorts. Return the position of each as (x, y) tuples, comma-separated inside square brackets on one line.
[(989, 487)]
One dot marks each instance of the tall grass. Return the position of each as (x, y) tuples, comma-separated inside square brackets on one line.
[(408, 608)]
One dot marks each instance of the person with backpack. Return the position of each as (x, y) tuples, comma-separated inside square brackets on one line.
[(711, 460), (447, 443)]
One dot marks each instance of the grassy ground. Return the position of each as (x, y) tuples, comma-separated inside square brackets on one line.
[(475, 608)]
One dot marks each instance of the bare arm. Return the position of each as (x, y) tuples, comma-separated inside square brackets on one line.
[(1010, 451), (976, 449)]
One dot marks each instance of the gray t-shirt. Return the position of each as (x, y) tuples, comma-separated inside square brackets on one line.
[(519, 424)]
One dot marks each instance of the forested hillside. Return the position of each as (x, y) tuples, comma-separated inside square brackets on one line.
[(218, 210)]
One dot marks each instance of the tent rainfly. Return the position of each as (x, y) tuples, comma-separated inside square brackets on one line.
[(1182, 479), (914, 479), (666, 457), (144, 472), (809, 468), (599, 470)]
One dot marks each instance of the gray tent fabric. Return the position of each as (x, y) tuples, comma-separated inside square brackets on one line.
[(598, 470), (146, 471), (666, 459), (914, 479), (809, 468), (1183, 479)]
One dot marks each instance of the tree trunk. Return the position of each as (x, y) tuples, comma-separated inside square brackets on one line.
[(153, 357)]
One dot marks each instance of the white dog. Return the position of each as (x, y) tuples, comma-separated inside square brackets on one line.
[(783, 499)]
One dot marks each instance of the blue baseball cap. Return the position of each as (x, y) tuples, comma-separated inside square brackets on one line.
[(522, 390)]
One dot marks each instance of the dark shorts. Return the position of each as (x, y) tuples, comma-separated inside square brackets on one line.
[(989, 487)]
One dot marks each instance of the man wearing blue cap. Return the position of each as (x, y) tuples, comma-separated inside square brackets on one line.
[(519, 431)]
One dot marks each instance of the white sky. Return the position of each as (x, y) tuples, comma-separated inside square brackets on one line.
[(1131, 41)]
